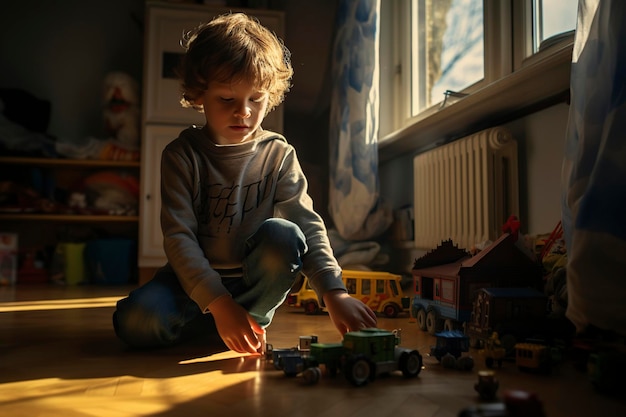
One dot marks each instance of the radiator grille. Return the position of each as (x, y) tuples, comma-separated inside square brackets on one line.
[(466, 190)]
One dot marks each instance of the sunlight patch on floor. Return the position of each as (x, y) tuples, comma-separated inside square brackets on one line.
[(218, 357), (58, 304), (124, 397)]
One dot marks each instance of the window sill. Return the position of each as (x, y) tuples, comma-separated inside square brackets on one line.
[(535, 86)]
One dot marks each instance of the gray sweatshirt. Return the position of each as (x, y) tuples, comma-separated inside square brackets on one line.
[(215, 197)]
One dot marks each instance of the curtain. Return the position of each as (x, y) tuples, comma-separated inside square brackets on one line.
[(594, 169), (354, 203)]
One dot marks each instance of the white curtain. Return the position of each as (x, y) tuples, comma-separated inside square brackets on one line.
[(355, 205), (594, 169)]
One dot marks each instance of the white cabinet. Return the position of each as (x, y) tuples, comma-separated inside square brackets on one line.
[(163, 117), (150, 236)]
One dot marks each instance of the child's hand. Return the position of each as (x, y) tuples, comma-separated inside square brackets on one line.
[(236, 327), (347, 313)]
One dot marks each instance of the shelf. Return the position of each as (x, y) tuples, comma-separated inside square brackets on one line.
[(59, 162), (69, 218)]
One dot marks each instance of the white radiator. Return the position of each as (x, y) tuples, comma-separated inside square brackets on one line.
[(466, 190)]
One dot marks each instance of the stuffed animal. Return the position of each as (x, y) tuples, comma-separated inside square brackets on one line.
[(121, 109), (114, 192)]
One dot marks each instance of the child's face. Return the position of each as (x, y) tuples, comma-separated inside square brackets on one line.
[(233, 112)]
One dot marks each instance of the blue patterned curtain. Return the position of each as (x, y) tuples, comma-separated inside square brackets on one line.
[(594, 169), (355, 204)]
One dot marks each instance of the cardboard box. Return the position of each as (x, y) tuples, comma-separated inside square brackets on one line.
[(8, 258)]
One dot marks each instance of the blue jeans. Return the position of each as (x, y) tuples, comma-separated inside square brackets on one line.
[(157, 313)]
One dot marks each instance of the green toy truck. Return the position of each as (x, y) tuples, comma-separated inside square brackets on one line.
[(361, 356)]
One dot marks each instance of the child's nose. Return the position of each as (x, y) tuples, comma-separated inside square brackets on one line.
[(242, 111)]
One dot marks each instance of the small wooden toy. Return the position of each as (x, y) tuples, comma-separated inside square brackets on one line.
[(487, 385)]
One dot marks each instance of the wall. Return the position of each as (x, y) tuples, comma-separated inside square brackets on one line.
[(541, 140), (309, 37), (61, 51)]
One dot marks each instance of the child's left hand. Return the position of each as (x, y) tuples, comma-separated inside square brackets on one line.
[(347, 313)]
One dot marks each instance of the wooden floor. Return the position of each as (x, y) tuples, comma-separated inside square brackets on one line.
[(60, 357)]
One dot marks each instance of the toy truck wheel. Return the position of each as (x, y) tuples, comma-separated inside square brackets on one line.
[(432, 322), (449, 325), (359, 371), (410, 364), (391, 310), (311, 376), (421, 319), (311, 308)]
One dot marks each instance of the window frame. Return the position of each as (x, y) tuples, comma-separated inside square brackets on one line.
[(516, 85)]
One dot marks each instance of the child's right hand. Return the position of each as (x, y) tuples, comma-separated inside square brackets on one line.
[(347, 313), (239, 331)]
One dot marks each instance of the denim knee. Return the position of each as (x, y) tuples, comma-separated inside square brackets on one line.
[(151, 316), (278, 240), (272, 264), (140, 326)]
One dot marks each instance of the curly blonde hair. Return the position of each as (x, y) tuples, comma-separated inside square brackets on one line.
[(230, 48)]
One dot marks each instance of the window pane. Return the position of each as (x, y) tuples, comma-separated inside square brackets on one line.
[(553, 17), (449, 52), (366, 286), (351, 285)]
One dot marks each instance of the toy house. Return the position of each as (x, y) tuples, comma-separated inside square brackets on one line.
[(446, 279)]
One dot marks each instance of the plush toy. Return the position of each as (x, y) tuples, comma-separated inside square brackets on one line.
[(114, 192), (121, 116), (121, 109)]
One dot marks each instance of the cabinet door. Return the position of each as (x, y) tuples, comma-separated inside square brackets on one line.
[(163, 51), (156, 137)]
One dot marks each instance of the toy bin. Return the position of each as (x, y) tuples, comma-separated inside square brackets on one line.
[(111, 261)]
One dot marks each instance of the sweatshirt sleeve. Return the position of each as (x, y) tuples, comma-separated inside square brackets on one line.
[(179, 191), (294, 203)]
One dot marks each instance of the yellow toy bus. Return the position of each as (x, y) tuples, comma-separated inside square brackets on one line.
[(532, 357), (381, 291)]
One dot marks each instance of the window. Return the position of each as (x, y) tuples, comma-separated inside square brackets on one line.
[(447, 287), (366, 287), (395, 291), (552, 20), (487, 54), (447, 49), (351, 285)]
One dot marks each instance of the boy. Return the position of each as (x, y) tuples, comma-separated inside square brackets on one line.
[(238, 224)]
